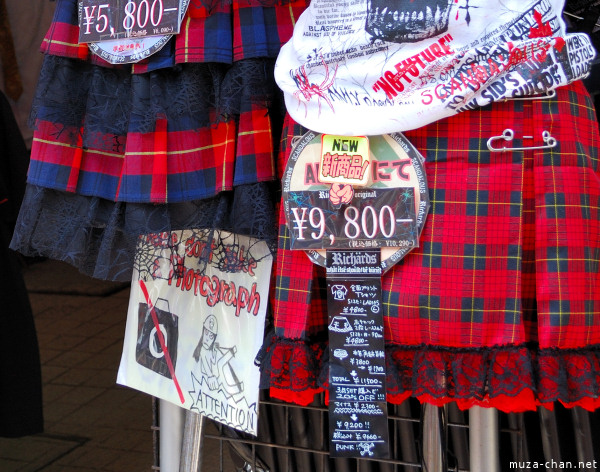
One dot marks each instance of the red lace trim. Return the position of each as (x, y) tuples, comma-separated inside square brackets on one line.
[(510, 378)]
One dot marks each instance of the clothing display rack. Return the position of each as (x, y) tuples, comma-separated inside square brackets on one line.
[(195, 168), (422, 438)]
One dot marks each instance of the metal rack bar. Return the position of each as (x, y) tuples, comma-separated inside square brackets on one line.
[(483, 439), (192, 444)]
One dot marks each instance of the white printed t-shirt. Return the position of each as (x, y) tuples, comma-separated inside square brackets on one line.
[(360, 67)]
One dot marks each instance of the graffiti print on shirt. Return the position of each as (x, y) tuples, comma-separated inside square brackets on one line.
[(367, 67)]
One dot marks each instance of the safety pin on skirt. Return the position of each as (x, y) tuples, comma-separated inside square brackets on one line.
[(508, 135), (544, 96)]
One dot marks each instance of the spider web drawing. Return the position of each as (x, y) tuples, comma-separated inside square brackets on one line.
[(224, 251)]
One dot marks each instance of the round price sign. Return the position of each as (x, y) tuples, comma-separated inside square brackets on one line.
[(123, 32), (387, 211)]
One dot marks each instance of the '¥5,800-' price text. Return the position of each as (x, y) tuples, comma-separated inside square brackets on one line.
[(101, 20)]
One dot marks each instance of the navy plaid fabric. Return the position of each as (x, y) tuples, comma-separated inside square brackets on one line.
[(159, 166), (163, 134), (236, 31), (205, 35)]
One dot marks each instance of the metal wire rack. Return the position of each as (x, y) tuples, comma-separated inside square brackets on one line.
[(294, 438)]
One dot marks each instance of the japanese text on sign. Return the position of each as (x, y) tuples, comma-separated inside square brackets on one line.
[(357, 391), (344, 165), (344, 159)]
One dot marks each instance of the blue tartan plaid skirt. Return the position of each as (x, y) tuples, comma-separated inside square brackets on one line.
[(200, 116)]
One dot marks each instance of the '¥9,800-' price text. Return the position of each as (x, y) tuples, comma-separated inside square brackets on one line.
[(367, 222)]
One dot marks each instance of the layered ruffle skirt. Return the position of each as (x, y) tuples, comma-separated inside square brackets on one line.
[(184, 139)]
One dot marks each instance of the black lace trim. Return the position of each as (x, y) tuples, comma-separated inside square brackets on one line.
[(446, 373), (99, 237), (101, 101)]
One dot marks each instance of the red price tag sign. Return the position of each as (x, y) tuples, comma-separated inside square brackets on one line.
[(107, 20)]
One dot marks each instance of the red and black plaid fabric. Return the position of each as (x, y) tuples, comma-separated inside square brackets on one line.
[(500, 304), (62, 38)]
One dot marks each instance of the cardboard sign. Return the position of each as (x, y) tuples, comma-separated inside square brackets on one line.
[(356, 235), (196, 322)]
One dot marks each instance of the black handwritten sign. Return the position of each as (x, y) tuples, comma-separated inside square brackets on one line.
[(357, 391)]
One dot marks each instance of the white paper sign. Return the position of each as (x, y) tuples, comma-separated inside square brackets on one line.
[(196, 321)]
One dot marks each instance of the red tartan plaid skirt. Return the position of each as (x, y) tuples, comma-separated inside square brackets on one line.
[(199, 117), (500, 304)]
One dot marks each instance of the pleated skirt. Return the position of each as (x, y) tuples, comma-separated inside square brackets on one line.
[(499, 306)]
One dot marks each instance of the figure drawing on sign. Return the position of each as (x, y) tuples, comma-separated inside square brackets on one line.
[(339, 292), (341, 354), (214, 361), (365, 448), (151, 347), (340, 193), (375, 307), (308, 89)]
